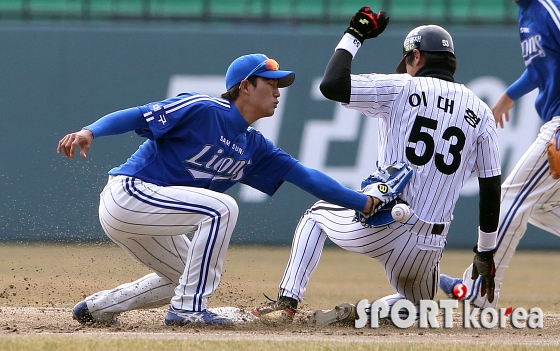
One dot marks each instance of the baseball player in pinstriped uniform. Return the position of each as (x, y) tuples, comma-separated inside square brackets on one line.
[(427, 120), (529, 193), (197, 147)]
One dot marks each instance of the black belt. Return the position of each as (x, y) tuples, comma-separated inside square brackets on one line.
[(437, 229)]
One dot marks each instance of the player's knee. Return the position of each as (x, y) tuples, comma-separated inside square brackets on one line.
[(230, 206), (409, 287)]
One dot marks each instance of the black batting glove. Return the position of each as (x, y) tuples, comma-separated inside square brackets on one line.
[(483, 266), (366, 24)]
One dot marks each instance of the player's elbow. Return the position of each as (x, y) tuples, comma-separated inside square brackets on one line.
[(331, 89), (327, 89)]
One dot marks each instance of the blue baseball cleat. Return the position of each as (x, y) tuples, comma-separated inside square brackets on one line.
[(447, 283), (184, 317)]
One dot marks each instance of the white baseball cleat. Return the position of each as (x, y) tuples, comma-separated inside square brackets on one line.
[(345, 313)]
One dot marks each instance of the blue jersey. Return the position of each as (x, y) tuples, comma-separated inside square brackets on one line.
[(203, 141), (539, 29)]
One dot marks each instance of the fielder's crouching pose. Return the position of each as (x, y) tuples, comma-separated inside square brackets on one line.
[(442, 130), (197, 147)]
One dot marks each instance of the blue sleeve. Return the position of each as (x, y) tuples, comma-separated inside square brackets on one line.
[(118, 122), (271, 165), (520, 87), (170, 118), (324, 187)]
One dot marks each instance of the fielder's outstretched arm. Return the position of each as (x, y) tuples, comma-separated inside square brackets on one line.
[(70, 143), (523, 85), (326, 188), (118, 122)]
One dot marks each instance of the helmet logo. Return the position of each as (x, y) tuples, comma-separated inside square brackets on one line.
[(410, 42), (445, 43)]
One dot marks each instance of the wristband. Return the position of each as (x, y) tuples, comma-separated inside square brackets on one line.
[(486, 241), (349, 43)]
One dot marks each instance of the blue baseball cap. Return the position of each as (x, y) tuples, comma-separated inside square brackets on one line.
[(257, 65)]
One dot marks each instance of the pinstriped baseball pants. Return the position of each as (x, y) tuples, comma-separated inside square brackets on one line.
[(409, 252), (529, 195), (151, 224)]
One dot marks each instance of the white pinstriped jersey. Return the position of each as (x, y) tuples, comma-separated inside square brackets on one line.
[(440, 128)]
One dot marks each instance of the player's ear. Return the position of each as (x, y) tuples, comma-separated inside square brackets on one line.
[(244, 85), (417, 55)]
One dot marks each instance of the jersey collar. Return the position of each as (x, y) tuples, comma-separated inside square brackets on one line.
[(240, 123), (435, 73)]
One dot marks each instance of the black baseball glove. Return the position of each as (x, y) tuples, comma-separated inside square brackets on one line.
[(483, 266), (365, 24)]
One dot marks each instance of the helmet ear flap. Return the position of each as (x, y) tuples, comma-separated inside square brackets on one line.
[(401, 67)]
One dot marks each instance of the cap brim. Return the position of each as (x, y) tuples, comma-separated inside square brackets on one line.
[(401, 68), (285, 78)]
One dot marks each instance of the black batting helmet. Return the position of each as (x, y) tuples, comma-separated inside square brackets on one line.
[(426, 38)]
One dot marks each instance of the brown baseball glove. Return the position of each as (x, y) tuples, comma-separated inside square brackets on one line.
[(553, 150)]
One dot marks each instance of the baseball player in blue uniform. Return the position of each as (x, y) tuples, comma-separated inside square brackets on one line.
[(197, 147), (426, 120), (529, 193)]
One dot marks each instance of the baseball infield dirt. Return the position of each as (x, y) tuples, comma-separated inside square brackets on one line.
[(40, 283)]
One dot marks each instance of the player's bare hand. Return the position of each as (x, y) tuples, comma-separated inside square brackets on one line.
[(483, 266), (501, 109), (72, 141)]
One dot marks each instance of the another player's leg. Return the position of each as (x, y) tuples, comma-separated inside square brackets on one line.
[(412, 266), (216, 221), (409, 253), (529, 194), (104, 306), (307, 246), (134, 235), (402, 253), (538, 207), (156, 239)]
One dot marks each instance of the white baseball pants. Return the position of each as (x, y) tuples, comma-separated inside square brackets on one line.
[(150, 223), (529, 195), (409, 252)]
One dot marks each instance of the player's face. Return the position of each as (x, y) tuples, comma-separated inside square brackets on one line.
[(265, 96)]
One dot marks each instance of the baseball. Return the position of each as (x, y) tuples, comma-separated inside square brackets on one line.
[(401, 212)]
